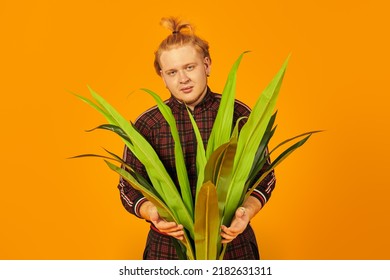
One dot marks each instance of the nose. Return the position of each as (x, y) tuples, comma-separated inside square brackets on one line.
[(183, 78)]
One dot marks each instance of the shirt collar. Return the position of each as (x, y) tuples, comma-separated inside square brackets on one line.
[(206, 102)]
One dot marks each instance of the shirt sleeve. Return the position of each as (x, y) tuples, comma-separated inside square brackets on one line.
[(131, 198), (264, 189)]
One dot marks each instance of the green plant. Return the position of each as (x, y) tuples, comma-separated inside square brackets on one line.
[(228, 170)]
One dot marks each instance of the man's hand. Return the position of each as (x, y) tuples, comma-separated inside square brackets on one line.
[(149, 212), (241, 219), (238, 225)]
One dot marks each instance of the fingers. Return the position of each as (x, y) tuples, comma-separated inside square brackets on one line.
[(149, 212), (167, 227), (177, 234), (227, 234), (170, 228), (237, 226)]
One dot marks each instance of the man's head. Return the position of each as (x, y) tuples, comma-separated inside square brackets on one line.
[(183, 61)]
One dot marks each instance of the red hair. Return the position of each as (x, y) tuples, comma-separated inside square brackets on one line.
[(182, 34)]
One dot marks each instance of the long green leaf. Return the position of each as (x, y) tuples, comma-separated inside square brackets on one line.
[(201, 160), (222, 127), (104, 157), (235, 132), (225, 174), (104, 112), (163, 210), (179, 157), (118, 158), (288, 151), (256, 181), (207, 223), (258, 121), (295, 137), (261, 150), (140, 179), (213, 163), (250, 136), (158, 175), (90, 155), (224, 168), (114, 128), (269, 132), (93, 105), (276, 162), (135, 174)]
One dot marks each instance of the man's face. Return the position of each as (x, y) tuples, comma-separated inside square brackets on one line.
[(185, 72)]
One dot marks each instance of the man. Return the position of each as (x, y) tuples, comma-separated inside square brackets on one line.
[(183, 62)]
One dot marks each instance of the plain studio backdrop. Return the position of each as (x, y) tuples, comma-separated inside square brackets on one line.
[(332, 197)]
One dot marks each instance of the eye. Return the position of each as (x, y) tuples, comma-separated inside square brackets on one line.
[(171, 73), (190, 67)]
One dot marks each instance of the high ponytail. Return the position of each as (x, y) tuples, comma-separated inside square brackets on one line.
[(182, 33)]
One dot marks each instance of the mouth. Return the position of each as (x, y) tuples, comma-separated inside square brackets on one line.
[(186, 89)]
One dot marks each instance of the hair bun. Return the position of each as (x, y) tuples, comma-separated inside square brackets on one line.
[(176, 25)]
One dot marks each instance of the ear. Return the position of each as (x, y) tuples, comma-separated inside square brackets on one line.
[(207, 64)]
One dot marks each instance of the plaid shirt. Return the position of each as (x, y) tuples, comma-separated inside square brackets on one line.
[(156, 130)]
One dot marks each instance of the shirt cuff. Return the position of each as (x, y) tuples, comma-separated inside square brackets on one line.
[(260, 196), (138, 205)]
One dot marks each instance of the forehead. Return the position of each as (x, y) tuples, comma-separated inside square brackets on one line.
[(177, 57)]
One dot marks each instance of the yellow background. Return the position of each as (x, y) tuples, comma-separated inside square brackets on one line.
[(332, 195)]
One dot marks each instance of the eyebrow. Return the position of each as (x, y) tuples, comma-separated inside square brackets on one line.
[(184, 66)]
